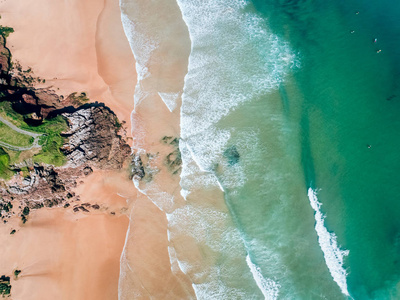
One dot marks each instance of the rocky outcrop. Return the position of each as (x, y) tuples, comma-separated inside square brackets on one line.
[(5, 56), (93, 139), (43, 182)]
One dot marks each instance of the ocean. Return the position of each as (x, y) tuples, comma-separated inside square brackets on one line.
[(289, 143)]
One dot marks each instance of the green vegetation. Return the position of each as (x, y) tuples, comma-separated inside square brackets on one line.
[(26, 211), (13, 231), (16, 273), (5, 287), (10, 136), (24, 78), (6, 206), (78, 100), (5, 31), (50, 142), (5, 171)]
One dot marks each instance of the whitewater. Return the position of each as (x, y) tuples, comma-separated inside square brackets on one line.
[(243, 221)]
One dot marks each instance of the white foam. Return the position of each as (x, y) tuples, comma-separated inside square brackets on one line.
[(192, 176), (328, 242), (227, 67), (268, 287), (163, 200), (175, 268), (142, 47), (170, 99)]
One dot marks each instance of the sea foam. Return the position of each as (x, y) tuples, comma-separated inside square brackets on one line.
[(234, 59), (333, 255), (170, 99), (227, 67), (268, 287), (142, 47)]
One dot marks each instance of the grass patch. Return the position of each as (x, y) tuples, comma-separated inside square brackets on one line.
[(10, 136), (78, 100), (5, 171), (5, 31), (50, 142)]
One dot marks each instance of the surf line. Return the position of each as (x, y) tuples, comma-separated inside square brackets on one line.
[(333, 255)]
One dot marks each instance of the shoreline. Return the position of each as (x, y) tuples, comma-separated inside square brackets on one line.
[(63, 253), (91, 56)]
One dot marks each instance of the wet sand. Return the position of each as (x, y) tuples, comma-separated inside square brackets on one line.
[(158, 22)]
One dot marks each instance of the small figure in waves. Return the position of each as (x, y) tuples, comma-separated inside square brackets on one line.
[(379, 51), (369, 146), (375, 40)]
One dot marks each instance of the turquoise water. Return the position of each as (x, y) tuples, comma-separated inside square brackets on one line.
[(347, 99), (350, 100), (290, 110), (325, 118)]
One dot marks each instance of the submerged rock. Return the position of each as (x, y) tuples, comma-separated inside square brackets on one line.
[(232, 155)]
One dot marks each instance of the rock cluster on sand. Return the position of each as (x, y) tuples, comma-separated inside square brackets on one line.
[(95, 140)]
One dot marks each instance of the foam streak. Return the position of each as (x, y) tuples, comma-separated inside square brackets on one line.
[(328, 242)]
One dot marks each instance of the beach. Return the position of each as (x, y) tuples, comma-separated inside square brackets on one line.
[(252, 153), (64, 254), (81, 47)]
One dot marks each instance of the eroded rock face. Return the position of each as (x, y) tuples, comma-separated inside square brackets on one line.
[(93, 139), (4, 56), (45, 186), (96, 140)]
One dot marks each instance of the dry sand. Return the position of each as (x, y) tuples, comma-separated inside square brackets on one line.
[(76, 46), (79, 46), (64, 255)]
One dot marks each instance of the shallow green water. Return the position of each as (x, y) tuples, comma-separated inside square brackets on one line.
[(291, 106)]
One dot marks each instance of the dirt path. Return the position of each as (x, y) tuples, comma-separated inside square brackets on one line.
[(35, 136)]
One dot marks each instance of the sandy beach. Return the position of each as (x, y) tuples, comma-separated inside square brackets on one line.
[(80, 46), (76, 46), (64, 255)]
